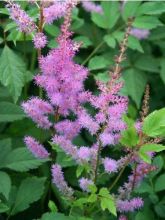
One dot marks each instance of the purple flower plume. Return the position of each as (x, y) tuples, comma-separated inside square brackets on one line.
[(35, 148), (59, 181)]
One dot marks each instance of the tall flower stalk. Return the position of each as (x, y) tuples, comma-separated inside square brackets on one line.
[(65, 114)]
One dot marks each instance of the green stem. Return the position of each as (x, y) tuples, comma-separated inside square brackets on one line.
[(97, 162), (33, 60), (118, 177), (93, 52)]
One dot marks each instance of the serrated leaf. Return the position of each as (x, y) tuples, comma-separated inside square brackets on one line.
[(146, 22), (152, 148), (5, 184), (130, 8), (129, 137), (154, 123), (92, 198), (134, 44), (109, 17), (144, 156), (159, 184), (147, 63), (12, 71), (107, 201), (30, 190), (10, 112), (151, 8), (110, 41), (97, 62), (21, 160), (135, 83)]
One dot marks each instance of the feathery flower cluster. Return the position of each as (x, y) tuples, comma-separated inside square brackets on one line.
[(92, 7), (123, 217), (129, 205), (38, 110), (63, 81), (110, 165), (24, 22), (59, 181), (140, 33), (55, 11), (85, 183), (39, 40), (36, 149)]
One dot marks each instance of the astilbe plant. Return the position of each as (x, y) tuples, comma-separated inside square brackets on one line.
[(65, 114)]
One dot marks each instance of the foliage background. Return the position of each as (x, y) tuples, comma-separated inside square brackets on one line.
[(25, 182)]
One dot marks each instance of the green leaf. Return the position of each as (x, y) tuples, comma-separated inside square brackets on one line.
[(104, 77), (147, 63), (130, 8), (5, 148), (52, 29), (5, 184), (21, 160), (107, 201), (58, 216), (61, 158), (92, 198), (144, 187), (3, 207), (157, 34), (134, 44), (151, 8), (92, 188), (135, 83), (162, 70), (160, 210), (144, 156), (154, 123), (52, 206), (86, 42), (30, 190), (79, 170), (108, 19), (152, 148), (10, 112), (12, 72), (159, 184), (146, 22), (98, 62), (158, 162), (129, 137), (110, 41)]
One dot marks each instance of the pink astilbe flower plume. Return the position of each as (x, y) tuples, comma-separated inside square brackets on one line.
[(85, 183), (140, 33), (92, 7), (110, 165), (38, 111), (39, 40), (36, 148), (130, 205), (59, 181), (22, 19)]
